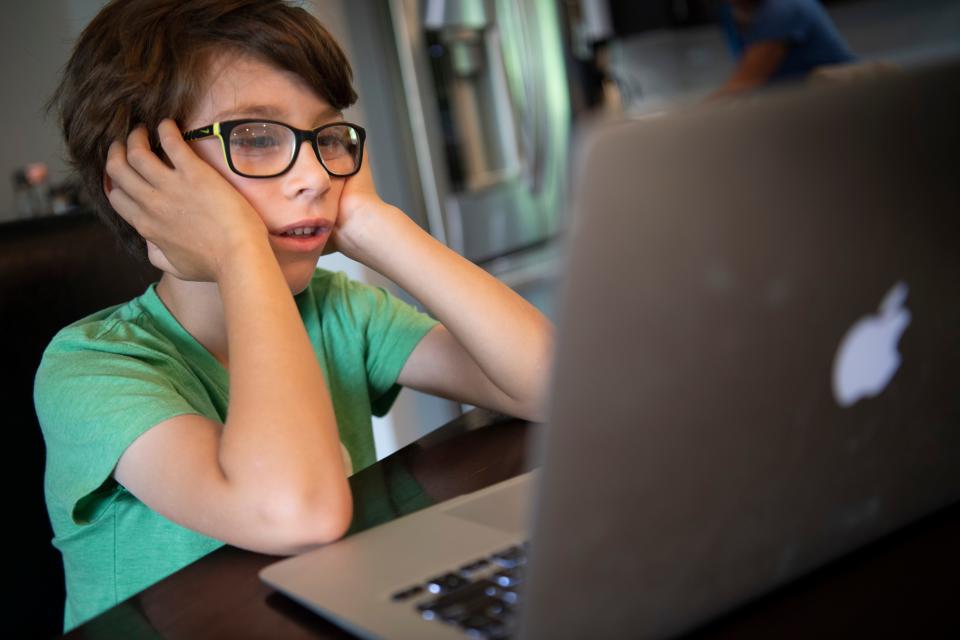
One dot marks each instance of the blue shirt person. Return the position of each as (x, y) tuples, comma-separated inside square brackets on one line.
[(779, 40)]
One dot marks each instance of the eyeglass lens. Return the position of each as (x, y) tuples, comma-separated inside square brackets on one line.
[(266, 148)]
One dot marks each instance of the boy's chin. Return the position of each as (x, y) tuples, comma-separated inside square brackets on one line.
[(298, 276)]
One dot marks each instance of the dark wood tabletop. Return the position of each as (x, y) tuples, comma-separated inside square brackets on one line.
[(902, 586)]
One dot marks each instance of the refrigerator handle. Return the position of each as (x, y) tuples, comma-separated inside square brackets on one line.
[(520, 41)]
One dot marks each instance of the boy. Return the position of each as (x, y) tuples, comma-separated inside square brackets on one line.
[(229, 403)]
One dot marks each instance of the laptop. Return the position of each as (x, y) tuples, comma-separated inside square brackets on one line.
[(757, 370)]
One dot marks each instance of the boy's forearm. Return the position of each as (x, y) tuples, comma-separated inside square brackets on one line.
[(507, 337), (280, 440)]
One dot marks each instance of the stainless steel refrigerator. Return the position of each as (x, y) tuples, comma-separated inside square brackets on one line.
[(469, 104)]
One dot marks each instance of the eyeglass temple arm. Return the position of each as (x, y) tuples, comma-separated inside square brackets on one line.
[(199, 134)]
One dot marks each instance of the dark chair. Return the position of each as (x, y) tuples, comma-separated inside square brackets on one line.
[(52, 271)]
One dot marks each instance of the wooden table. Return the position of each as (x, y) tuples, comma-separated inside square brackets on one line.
[(903, 586)]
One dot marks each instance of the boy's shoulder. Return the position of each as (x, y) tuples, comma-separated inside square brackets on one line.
[(336, 288), (119, 328), (325, 280), (344, 302)]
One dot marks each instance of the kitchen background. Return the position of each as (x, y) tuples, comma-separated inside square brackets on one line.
[(470, 106)]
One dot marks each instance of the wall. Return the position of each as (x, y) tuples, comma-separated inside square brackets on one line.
[(35, 40)]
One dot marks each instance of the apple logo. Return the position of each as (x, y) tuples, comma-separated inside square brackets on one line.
[(868, 358)]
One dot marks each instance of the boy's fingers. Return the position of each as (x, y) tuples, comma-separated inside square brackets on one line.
[(364, 177), (123, 175), (128, 209), (174, 145), (142, 158)]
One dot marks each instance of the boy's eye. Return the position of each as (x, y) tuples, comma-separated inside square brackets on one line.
[(337, 141), (255, 142), (260, 139), (327, 141), (330, 143)]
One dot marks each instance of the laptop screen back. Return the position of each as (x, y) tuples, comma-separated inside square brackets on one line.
[(710, 435)]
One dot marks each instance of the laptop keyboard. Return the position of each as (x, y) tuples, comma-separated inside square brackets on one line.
[(480, 597)]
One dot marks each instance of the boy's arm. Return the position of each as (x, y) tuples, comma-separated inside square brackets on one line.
[(493, 348), (272, 477)]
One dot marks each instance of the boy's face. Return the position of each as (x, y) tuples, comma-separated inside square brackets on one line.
[(245, 87)]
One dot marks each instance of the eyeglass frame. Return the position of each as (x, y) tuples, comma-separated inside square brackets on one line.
[(222, 131)]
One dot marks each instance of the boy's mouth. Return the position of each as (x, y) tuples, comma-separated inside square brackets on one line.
[(301, 231), (305, 235), (306, 227)]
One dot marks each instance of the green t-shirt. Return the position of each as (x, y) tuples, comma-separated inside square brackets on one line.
[(108, 378)]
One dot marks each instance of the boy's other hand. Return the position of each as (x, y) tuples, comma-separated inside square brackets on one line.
[(192, 219), (361, 216)]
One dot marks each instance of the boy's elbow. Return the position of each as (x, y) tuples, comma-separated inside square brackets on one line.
[(299, 523), (536, 405), (535, 411), (532, 409)]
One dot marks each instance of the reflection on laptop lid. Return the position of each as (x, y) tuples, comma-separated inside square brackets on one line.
[(756, 371)]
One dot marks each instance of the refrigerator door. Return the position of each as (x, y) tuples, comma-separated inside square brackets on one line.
[(486, 91)]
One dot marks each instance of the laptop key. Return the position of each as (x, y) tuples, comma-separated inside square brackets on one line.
[(492, 633), (511, 557), (488, 634), (446, 582), (482, 626), (475, 566), (509, 596), (468, 591), (480, 622), (459, 611), (406, 594), (508, 577)]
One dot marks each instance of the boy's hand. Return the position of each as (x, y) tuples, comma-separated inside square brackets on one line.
[(363, 217), (190, 216)]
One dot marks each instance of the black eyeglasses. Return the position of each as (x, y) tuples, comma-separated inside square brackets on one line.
[(266, 149)]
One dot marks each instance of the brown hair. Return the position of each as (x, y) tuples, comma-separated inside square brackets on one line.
[(140, 61)]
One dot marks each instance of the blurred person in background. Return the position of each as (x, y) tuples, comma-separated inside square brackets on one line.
[(775, 41)]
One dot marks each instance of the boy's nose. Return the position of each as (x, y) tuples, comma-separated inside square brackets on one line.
[(308, 173)]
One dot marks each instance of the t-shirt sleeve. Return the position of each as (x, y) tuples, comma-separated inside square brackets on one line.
[(392, 329), (92, 404), (783, 20)]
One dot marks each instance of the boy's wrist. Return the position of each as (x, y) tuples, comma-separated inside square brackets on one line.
[(375, 230), (241, 248)]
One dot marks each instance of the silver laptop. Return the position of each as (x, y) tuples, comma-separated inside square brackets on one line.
[(757, 371)]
